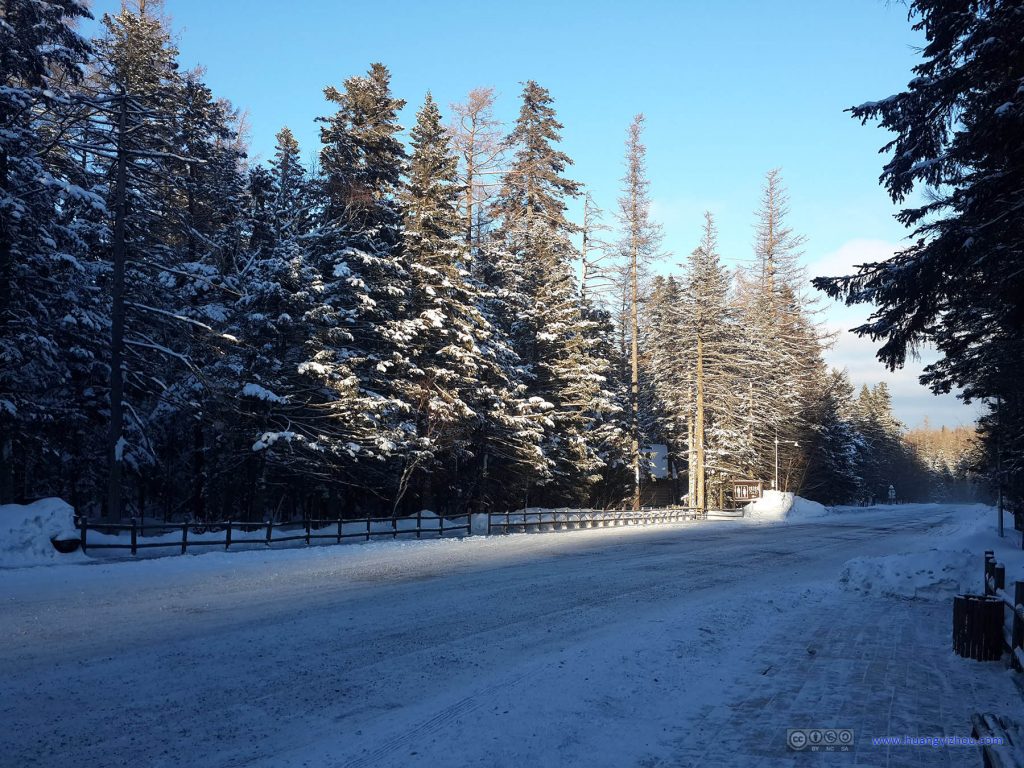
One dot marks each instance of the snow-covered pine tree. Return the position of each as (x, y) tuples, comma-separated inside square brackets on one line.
[(278, 431), (448, 334), (204, 222), (883, 456), (290, 204), (597, 285), (51, 319), (670, 400), (782, 341), (132, 97), (548, 329), (710, 343), (837, 448), (960, 285), (357, 349)]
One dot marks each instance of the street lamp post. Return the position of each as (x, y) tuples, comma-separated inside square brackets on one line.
[(775, 486), (794, 442)]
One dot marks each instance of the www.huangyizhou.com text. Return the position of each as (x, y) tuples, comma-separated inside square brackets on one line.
[(936, 741)]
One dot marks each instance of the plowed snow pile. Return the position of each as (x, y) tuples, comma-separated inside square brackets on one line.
[(938, 572), (778, 505), (935, 574), (26, 530)]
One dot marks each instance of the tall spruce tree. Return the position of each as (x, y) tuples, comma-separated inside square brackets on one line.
[(358, 331), (448, 331), (837, 448), (50, 314), (710, 347), (783, 342), (960, 285), (134, 97), (548, 330)]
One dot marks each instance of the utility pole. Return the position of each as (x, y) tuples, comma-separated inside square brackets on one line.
[(999, 464)]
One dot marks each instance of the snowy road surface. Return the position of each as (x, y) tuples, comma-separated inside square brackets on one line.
[(598, 648)]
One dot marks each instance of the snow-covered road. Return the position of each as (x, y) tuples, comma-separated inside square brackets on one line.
[(597, 648)]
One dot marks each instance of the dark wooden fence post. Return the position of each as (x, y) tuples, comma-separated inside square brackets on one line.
[(227, 537), (308, 526), (989, 556), (135, 536), (270, 528), (339, 530), (367, 528), (419, 523), (83, 521), (1017, 634), (184, 537), (978, 627), (999, 574)]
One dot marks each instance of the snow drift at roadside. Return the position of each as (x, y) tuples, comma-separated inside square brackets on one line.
[(26, 530), (937, 573)]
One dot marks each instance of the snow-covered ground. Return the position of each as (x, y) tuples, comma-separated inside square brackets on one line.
[(608, 647)]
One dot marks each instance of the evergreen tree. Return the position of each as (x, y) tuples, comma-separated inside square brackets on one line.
[(710, 346), (449, 334), (357, 322), (782, 344), (134, 97), (51, 318), (548, 329), (837, 447), (959, 286)]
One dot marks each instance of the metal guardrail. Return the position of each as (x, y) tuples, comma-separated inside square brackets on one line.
[(537, 520)]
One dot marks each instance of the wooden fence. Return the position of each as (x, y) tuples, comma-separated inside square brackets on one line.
[(267, 533), (144, 534), (534, 521), (995, 586)]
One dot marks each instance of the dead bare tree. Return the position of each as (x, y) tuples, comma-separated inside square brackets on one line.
[(478, 139), (640, 245)]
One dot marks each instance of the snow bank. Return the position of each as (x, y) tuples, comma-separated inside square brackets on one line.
[(26, 530), (949, 561), (779, 505), (934, 574)]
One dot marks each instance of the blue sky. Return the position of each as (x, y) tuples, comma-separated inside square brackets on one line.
[(730, 89)]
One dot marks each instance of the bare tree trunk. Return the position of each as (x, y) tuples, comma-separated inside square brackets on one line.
[(643, 239), (115, 439), (199, 472), (634, 379), (698, 429), (470, 186), (750, 420), (691, 454), (584, 264)]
